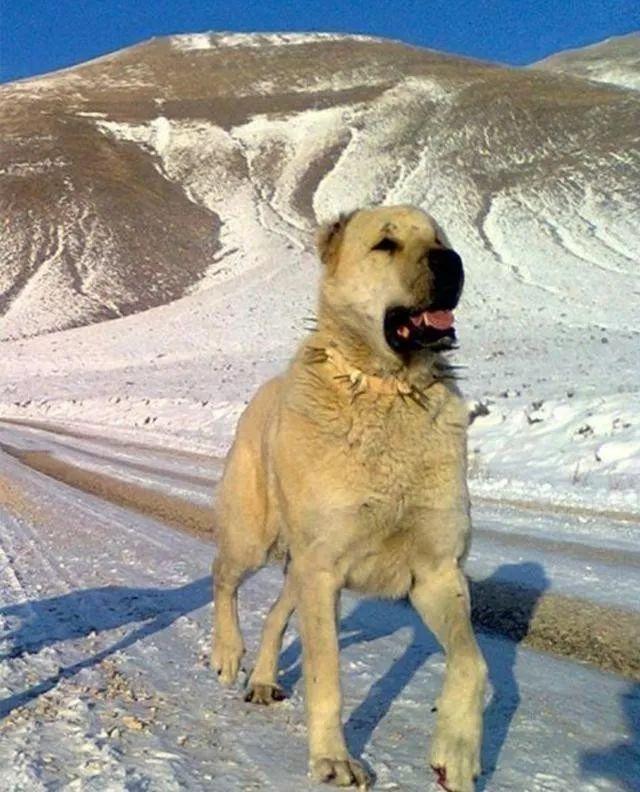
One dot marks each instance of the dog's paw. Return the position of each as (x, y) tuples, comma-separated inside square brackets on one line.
[(264, 693), (455, 761), (341, 772), (225, 661)]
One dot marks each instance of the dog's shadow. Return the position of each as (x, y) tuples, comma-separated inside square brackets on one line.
[(34, 625), (368, 621), (373, 619)]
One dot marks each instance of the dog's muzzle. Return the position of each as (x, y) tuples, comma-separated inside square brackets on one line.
[(430, 325)]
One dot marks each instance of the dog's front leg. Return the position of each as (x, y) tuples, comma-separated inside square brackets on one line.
[(317, 594), (440, 594)]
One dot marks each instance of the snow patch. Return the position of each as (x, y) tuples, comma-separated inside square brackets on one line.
[(579, 451), (202, 41), (192, 41)]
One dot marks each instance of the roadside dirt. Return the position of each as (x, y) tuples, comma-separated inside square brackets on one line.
[(176, 512), (603, 636)]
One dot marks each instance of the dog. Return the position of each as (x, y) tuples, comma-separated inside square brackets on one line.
[(352, 464)]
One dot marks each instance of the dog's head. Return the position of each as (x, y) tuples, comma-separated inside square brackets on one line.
[(391, 280)]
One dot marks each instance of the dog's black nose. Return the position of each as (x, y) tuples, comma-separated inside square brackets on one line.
[(448, 278)]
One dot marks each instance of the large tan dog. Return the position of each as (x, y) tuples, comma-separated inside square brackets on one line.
[(353, 463)]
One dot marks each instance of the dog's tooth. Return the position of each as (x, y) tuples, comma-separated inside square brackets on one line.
[(425, 318), (403, 331)]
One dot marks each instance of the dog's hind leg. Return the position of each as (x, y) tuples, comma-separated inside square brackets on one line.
[(247, 526), (441, 596), (263, 686)]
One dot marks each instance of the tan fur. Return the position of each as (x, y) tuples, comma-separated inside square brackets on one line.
[(355, 462)]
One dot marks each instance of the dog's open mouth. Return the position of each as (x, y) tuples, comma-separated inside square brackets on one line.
[(410, 329)]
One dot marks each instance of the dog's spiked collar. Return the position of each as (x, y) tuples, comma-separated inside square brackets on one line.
[(359, 381)]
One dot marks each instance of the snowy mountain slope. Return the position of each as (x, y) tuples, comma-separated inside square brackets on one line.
[(183, 162), (104, 683), (615, 60)]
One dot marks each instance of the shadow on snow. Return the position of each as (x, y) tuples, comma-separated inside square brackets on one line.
[(619, 762), (42, 623)]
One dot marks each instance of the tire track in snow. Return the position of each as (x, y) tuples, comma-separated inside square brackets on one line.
[(175, 512)]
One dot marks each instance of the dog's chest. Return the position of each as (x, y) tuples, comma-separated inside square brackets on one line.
[(400, 454), (413, 501)]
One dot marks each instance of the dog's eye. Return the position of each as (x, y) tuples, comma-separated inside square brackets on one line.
[(388, 244)]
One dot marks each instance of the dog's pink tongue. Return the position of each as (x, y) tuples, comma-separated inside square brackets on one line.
[(441, 320)]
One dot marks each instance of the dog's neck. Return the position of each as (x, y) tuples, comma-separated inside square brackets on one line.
[(355, 369), (352, 347)]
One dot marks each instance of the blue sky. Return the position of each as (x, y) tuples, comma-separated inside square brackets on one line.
[(37, 36)]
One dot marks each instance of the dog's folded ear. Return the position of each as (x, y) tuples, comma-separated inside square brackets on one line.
[(329, 237)]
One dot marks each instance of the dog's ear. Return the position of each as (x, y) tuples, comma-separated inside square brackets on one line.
[(329, 237)]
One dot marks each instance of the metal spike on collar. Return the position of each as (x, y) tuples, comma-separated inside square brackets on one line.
[(315, 355), (416, 395), (359, 382), (417, 400)]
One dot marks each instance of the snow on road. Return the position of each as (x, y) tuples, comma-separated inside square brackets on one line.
[(559, 552), (104, 683)]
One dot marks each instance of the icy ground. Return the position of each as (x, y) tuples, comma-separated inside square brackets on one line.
[(105, 621)]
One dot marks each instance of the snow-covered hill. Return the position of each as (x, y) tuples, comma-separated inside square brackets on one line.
[(615, 60), (182, 163)]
